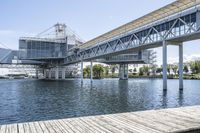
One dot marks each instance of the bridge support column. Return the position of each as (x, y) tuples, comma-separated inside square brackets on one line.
[(63, 73), (91, 71), (45, 73), (49, 73), (181, 66), (81, 71), (164, 65), (123, 71), (57, 73), (37, 73)]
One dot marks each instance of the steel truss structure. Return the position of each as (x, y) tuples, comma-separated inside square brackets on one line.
[(178, 28)]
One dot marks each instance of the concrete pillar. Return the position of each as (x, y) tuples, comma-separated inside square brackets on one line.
[(50, 73), (91, 71), (37, 73), (181, 66), (63, 73), (123, 71), (81, 71), (45, 73), (164, 65), (57, 73)]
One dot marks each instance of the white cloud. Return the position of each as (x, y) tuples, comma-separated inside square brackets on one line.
[(186, 58)]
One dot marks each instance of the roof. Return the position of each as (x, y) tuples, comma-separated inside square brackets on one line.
[(168, 10)]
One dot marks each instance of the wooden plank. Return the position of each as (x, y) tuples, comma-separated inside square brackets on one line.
[(32, 127), (152, 118), (129, 122), (26, 128), (14, 128), (84, 126), (165, 120), (67, 123), (60, 126), (95, 125), (91, 128), (21, 128), (3, 129), (68, 129), (56, 127), (38, 127), (43, 126), (74, 127), (159, 117), (49, 127), (112, 126)]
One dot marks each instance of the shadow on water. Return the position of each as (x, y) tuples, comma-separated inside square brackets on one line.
[(181, 98), (34, 100)]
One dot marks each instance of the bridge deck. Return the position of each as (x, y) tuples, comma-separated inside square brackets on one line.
[(186, 119)]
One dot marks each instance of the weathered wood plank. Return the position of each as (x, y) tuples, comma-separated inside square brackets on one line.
[(32, 127), (21, 128), (68, 129), (3, 129), (43, 126), (127, 122), (95, 125), (37, 127), (49, 127), (184, 119), (26, 128), (14, 128)]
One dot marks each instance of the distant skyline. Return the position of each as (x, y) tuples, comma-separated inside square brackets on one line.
[(89, 18)]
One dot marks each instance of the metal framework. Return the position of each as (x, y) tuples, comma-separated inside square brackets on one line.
[(180, 27), (171, 9)]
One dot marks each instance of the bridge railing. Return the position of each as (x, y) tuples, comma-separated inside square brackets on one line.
[(184, 24)]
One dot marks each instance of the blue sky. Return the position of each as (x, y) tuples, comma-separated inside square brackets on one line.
[(88, 18)]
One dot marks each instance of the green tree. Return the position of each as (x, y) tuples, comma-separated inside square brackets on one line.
[(86, 71), (98, 71), (141, 71), (113, 69), (134, 70), (169, 68), (175, 69), (185, 69), (195, 67), (106, 68), (159, 70)]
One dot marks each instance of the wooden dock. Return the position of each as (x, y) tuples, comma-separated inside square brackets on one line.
[(176, 120)]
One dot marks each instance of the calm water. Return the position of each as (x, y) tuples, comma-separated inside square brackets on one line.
[(31, 100)]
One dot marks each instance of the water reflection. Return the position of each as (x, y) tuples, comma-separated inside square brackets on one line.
[(123, 94), (164, 99), (181, 97), (33, 100)]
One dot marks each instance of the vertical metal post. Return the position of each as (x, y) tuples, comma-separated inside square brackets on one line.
[(57, 73), (164, 65), (45, 73), (81, 71), (91, 71), (181, 66), (63, 73), (50, 73), (37, 73)]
